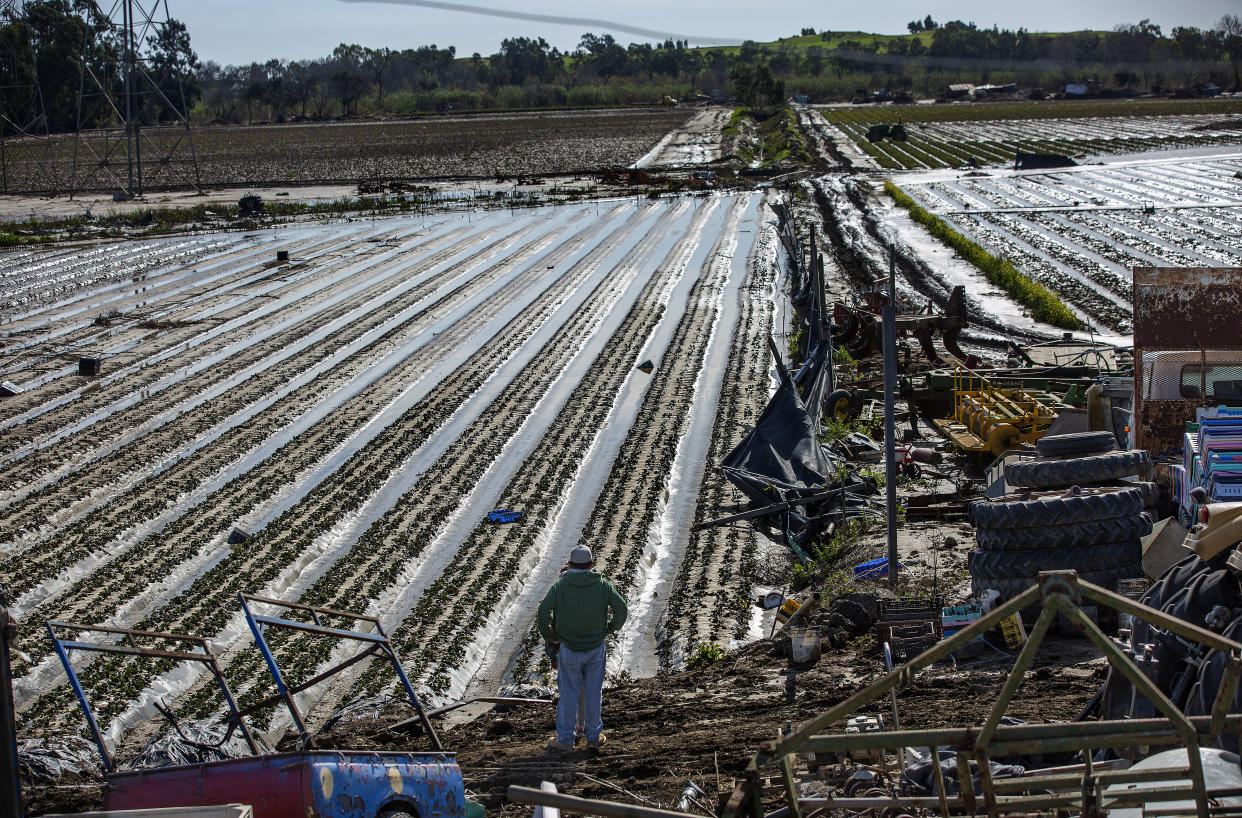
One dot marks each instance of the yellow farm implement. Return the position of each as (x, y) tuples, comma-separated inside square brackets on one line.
[(988, 419)]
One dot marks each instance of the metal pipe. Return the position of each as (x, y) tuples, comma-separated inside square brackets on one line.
[(128, 18), (10, 782), (588, 806), (1015, 676), (80, 694), (890, 388), (791, 786), (297, 606), (804, 610), (1043, 782), (448, 708)]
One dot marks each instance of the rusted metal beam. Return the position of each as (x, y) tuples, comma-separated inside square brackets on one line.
[(1016, 673), (771, 509), (175, 637), (276, 698), (791, 786), (154, 653), (297, 606)]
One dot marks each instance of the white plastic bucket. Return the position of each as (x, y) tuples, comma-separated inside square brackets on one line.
[(804, 645)]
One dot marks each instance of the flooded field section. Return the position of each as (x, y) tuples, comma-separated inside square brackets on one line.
[(327, 414), (1080, 231)]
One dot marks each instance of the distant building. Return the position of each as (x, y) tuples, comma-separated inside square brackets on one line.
[(960, 90), (1076, 89)]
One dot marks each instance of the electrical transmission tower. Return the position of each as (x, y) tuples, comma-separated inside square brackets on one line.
[(24, 139), (133, 126)]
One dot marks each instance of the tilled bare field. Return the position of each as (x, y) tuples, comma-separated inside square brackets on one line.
[(481, 145), (359, 410)]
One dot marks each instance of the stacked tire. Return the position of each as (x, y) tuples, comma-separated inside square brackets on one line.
[(1071, 511)]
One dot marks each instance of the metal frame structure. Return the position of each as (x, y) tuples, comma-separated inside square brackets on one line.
[(993, 419), (377, 643), (1061, 593), (130, 647), (136, 22), (30, 122)]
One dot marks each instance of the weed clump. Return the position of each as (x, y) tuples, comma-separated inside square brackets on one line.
[(1043, 304)]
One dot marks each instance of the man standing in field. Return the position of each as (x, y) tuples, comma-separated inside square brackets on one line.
[(578, 613)]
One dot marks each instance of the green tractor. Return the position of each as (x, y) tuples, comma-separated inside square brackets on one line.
[(895, 131)]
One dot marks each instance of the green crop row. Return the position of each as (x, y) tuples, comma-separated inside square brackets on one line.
[(1043, 303), (988, 148), (1050, 109)]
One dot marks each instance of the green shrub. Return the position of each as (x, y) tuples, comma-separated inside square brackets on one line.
[(705, 655), (1043, 304)]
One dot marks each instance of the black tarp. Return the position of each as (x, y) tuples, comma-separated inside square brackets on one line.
[(779, 459), (814, 379)]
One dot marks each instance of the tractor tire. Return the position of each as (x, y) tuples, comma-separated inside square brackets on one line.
[(1077, 471), (1009, 588), (1044, 537), (839, 405), (1076, 444), (1058, 509), (1151, 492), (1084, 559)]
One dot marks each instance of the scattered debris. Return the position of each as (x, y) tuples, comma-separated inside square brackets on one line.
[(250, 205)]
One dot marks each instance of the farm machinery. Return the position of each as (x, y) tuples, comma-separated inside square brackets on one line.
[(894, 131), (307, 781), (858, 328), (987, 418)]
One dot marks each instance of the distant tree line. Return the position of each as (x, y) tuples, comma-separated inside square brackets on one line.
[(54, 39), (524, 72)]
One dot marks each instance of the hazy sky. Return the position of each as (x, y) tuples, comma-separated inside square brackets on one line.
[(241, 31)]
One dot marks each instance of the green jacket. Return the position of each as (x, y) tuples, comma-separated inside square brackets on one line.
[(575, 611)]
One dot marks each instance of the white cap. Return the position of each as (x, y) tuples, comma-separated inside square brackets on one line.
[(581, 555)]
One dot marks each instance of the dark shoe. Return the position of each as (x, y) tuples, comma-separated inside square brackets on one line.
[(556, 747), (599, 742)]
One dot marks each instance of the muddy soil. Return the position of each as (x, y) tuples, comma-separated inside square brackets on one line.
[(471, 146), (705, 725)]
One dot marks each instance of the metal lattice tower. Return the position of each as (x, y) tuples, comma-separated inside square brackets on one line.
[(151, 146), (23, 117)]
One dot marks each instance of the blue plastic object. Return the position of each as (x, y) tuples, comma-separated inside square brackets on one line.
[(503, 515), (873, 569)]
